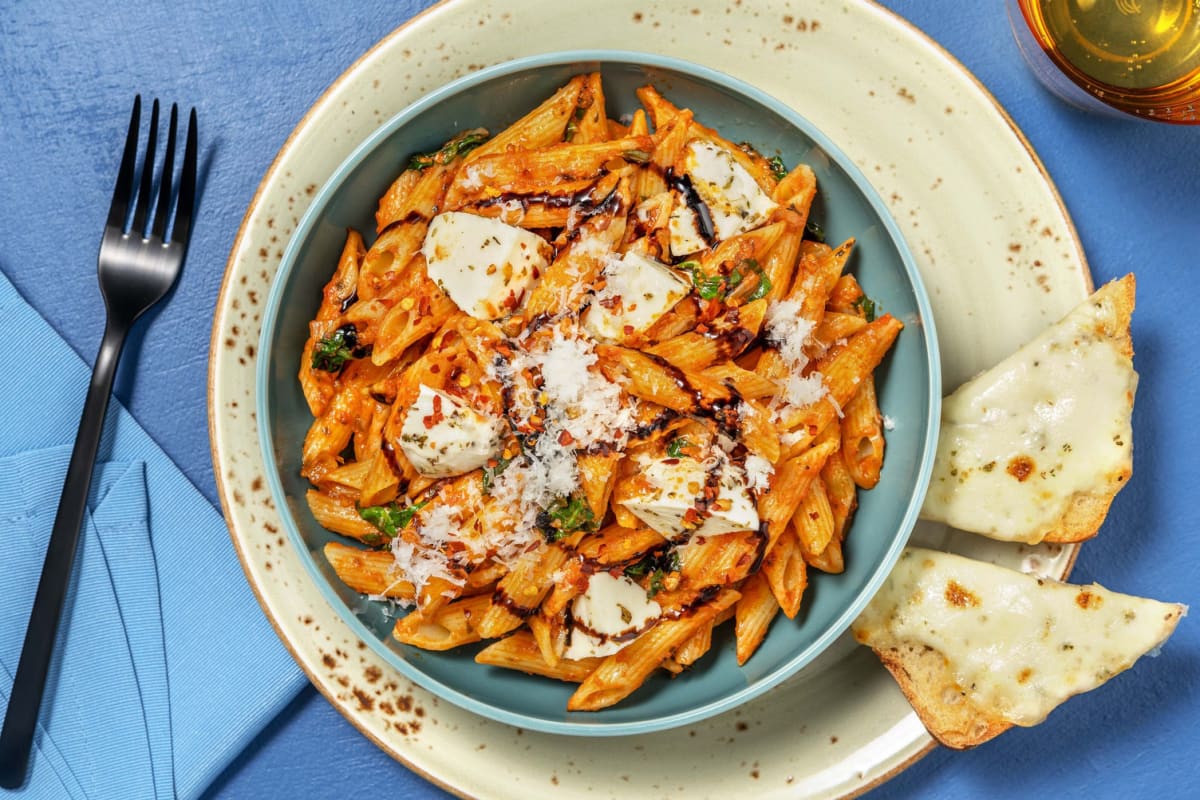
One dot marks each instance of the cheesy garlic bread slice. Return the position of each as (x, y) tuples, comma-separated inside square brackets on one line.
[(1035, 448), (977, 648)]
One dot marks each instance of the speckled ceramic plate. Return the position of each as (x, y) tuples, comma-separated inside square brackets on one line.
[(978, 211)]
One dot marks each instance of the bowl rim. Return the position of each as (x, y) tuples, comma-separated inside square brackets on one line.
[(924, 321)]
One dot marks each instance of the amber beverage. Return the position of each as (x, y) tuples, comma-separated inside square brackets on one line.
[(1140, 57)]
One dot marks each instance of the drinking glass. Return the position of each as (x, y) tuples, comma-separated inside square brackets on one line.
[(1138, 57)]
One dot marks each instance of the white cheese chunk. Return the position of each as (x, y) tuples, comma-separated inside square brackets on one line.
[(444, 436), (734, 199), (684, 228), (1051, 422), (1016, 644), (482, 264), (733, 510), (610, 614), (671, 487), (637, 292)]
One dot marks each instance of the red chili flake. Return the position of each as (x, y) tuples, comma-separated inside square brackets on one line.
[(437, 415), (565, 438)]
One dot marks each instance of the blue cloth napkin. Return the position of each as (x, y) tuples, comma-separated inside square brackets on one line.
[(165, 666)]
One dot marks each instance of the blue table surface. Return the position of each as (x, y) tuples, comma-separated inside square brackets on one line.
[(68, 71)]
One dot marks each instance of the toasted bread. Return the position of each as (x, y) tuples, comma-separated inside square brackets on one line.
[(946, 711), (1036, 448), (977, 648)]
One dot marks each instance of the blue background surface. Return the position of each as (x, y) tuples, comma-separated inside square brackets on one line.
[(68, 71)]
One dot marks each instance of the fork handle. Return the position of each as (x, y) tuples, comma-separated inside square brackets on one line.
[(20, 719)]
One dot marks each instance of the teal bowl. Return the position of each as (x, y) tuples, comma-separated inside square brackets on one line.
[(909, 384)]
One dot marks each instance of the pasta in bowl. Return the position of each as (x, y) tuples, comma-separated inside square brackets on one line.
[(592, 410)]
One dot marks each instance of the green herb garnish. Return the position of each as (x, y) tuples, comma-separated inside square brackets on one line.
[(331, 353), (676, 447), (658, 566), (491, 473), (638, 568), (867, 306), (458, 146), (709, 287), (391, 518), (764, 283), (777, 168), (636, 156), (564, 517), (814, 231), (573, 123)]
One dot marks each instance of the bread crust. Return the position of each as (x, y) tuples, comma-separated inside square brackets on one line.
[(945, 710)]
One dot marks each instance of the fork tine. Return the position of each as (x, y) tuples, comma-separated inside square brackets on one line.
[(122, 192), (168, 173), (182, 230), (143, 198)]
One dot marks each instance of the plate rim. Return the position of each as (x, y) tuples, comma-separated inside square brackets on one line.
[(902, 758)]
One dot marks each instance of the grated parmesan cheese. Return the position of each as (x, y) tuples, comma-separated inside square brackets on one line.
[(758, 473), (800, 391), (788, 332), (419, 565), (472, 178), (512, 212), (440, 525)]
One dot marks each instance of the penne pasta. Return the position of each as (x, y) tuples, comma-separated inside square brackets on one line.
[(521, 652), (371, 572), (862, 435), (792, 480), (754, 611), (843, 369), (520, 592), (616, 544), (444, 629), (785, 572), (840, 491), (543, 126), (720, 340), (813, 520)]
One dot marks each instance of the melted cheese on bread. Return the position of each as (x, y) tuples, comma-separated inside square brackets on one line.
[(1035, 448), (1015, 645)]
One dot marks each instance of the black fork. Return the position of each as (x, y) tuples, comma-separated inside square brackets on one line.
[(138, 264)]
